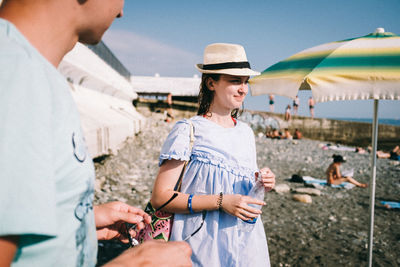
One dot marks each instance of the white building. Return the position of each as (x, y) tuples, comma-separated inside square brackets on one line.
[(103, 96)]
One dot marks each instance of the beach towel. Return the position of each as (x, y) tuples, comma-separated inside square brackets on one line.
[(391, 204), (338, 148), (322, 182), (348, 173)]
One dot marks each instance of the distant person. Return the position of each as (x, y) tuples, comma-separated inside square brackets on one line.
[(311, 105), (47, 216), (276, 134), (273, 134), (334, 175), (394, 154), (297, 134), (288, 114), (287, 134), (360, 150), (221, 171), (169, 116), (271, 102), (296, 103), (268, 133)]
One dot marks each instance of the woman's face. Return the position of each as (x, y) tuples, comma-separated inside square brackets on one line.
[(229, 91)]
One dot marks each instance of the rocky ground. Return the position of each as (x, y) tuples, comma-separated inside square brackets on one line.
[(330, 231)]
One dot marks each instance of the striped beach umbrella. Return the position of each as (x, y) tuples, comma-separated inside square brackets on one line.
[(366, 67)]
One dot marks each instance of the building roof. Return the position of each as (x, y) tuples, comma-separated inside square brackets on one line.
[(177, 86), (83, 67)]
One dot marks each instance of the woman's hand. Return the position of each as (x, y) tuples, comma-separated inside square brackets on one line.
[(111, 217), (267, 178), (237, 205)]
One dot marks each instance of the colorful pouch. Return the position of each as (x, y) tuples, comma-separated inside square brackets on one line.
[(161, 221)]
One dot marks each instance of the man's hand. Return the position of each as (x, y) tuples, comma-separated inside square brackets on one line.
[(111, 217), (155, 253)]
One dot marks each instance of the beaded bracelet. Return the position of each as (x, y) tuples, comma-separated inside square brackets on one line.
[(219, 201), (190, 204)]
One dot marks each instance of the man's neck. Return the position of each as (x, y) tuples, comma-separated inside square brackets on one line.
[(51, 33)]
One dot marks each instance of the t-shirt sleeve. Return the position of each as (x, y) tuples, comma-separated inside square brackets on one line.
[(177, 144), (27, 191)]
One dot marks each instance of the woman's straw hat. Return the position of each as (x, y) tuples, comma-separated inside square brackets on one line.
[(221, 58)]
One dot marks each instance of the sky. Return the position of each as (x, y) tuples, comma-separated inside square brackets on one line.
[(169, 37)]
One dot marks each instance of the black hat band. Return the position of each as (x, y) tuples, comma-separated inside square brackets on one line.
[(227, 65)]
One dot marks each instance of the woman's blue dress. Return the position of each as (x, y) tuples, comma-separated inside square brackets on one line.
[(222, 160)]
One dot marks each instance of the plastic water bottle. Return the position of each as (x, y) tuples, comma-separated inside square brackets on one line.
[(257, 192)]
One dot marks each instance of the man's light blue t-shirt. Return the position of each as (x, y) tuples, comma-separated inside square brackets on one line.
[(46, 174)]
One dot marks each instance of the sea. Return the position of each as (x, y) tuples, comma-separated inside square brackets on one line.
[(369, 120)]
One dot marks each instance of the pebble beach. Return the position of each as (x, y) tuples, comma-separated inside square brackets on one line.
[(330, 231)]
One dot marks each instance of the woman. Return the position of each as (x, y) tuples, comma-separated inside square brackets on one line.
[(296, 103), (334, 175), (287, 135), (221, 170), (271, 102), (288, 113)]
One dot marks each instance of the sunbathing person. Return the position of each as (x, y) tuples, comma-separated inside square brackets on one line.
[(297, 134), (287, 134), (394, 154), (276, 134), (334, 175), (360, 150)]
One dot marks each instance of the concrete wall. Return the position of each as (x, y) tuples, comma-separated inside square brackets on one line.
[(335, 131), (344, 132)]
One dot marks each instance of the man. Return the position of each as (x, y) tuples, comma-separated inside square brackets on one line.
[(168, 112), (296, 103), (311, 105), (47, 176), (271, 102)]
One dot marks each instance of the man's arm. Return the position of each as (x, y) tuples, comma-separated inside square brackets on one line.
[(8, 247), (155, 253)]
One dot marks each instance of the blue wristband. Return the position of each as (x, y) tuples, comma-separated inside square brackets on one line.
[(190, 204)]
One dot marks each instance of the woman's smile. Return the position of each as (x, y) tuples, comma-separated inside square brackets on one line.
[(240, 97)]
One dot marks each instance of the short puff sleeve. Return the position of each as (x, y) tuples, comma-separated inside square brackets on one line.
[(177, 144)]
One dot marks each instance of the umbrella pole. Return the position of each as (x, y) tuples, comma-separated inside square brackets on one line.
[(372, 182)]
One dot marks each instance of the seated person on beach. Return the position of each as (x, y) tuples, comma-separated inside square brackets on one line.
[(334, 175), (394, 154), (297, 134), (287, 134), (360, 150), (268, 133), (273, 134), (276, 134)]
